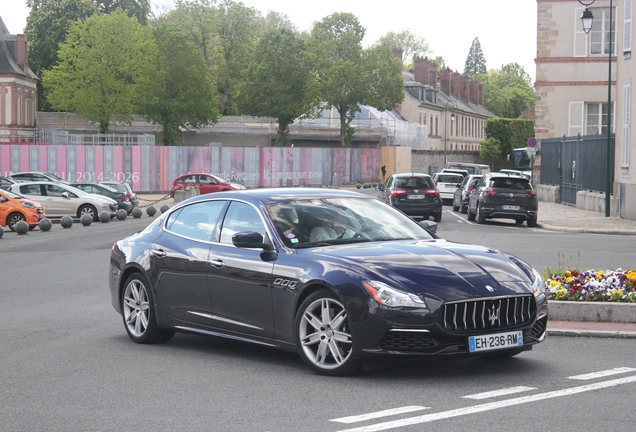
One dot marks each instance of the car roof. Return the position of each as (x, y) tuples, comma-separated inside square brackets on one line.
[(411, 175), (278, 194)]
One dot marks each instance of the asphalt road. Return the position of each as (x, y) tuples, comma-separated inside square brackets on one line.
[(67, 364)]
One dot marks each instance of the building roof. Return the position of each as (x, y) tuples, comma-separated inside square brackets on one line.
[(8, 54)]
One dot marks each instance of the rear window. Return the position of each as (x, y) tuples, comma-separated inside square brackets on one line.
[(449, 178), (510, 183), (414, 182)]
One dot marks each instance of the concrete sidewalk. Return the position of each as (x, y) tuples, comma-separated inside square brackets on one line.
[(552, 216)]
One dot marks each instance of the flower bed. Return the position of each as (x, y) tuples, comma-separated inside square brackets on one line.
[(603, 285)]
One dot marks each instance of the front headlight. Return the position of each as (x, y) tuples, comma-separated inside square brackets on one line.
[(538, 287), (28, 204), (391, 297)]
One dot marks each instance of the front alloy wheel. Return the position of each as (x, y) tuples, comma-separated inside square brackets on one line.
[(138, 313), (323, 337)]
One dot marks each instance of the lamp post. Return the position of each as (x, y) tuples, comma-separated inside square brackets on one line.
[(453, 105), (587, 19)]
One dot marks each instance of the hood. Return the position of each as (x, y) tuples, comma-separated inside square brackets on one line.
[(435, 269)]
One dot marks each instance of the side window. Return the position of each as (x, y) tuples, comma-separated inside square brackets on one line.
[(241, 217), (197, 221), (30, 190), (206, 179), (56, 191)]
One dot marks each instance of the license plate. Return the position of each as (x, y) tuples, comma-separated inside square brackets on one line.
[(509, 207), (415, 196), (495, 341)]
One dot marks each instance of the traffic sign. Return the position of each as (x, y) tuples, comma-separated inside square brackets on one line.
[(532, 142)]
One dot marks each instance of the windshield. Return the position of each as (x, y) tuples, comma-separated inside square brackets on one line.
[(308, 223)]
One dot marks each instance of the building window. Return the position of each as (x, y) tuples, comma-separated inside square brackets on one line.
[(600, 33), (627, 107), (596, 119)]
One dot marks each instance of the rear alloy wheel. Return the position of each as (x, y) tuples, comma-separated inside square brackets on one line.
[(139, 314), (481, 217), (89, 210), (323, 336), (13, 219), (532, 222)]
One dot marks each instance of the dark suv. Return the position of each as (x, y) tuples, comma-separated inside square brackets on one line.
[(503, 196), (414, 194)]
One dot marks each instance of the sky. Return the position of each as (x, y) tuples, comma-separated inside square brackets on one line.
[(507, 29)]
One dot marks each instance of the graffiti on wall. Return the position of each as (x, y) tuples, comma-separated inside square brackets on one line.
[(153, 168)]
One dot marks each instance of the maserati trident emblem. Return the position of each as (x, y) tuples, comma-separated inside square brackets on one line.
[(493, 315), (511, 195), (489, 288)]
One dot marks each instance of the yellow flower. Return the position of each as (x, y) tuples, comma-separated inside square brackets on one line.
[(554, 283)]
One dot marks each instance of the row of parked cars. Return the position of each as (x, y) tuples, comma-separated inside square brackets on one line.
[(497, 195), (30, 196)]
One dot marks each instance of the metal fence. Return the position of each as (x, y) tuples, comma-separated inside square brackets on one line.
[(576, 163)]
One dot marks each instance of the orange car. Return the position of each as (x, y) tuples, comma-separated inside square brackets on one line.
[(14, 208)]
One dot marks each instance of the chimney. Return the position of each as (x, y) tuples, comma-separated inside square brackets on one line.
[(432, 75), (464, 86), (398, 52), (445, 81), (480, 100), (421, 70), (455, 84), (21, 52), (474, 91)]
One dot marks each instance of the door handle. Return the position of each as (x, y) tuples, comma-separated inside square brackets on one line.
[(158, 252), (217, 263)]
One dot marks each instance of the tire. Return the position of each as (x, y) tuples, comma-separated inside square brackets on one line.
[(481, 218), (89, 210), (519, 221), (437, 217), (455, 207), (13, 219), (463, 209), (471, 215), (532, 222), (138, 312), (323, 337)]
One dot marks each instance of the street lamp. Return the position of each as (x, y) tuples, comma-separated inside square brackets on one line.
[(453, 105), (587, 20)]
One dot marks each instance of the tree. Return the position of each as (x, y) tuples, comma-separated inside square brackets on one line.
[(107, 64), (47, 25), (490, 149), (275, 82), (346, 76), (475, 62), (412, 46), (507, 91), (183, 94), (277, 21), (137, 8)]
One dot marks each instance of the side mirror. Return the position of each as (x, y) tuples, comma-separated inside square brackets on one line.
[(430, 226), (65, 194), (250, 239)]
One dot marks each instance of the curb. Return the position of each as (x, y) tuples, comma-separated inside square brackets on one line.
[(592, 311), (592, 333)]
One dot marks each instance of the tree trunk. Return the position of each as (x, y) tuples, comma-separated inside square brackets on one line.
[(343, 126)]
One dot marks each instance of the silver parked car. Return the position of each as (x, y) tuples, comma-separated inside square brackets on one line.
[(60, 199)]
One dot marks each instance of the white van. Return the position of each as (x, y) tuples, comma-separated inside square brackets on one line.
[(472, 168)]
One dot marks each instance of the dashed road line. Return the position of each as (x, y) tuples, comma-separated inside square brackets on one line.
[(491, 406), (378, 414), (502, 392), (602, 374)]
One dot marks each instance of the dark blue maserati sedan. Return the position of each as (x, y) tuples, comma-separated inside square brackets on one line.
[(337, 276)]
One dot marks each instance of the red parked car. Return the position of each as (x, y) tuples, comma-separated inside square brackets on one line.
[(207, 183)]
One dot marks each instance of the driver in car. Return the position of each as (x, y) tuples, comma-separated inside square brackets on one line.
[(335, 226)]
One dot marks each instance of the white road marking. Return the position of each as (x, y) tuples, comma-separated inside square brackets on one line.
[(602, 374), (491, 406), (460, 218), (378, 414), (502, 392)]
